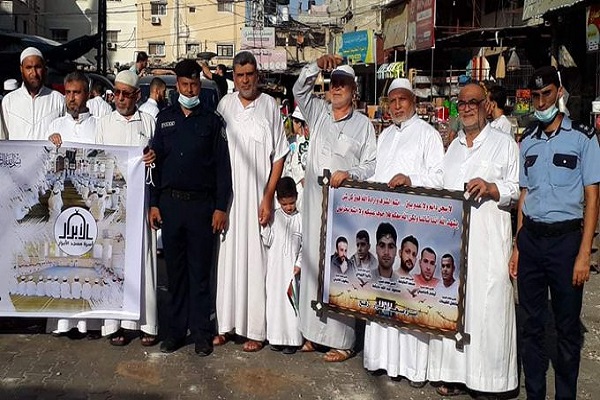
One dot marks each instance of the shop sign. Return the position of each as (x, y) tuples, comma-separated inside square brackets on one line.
[(357, 47), (421, 25), (270, 59), (593, 27), (253, 38)]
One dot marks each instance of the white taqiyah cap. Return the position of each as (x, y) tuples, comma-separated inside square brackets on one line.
[(400, 83), (344, 70), (108, 91), (11, 84), (127, 77), (30, 51), (298, 115)]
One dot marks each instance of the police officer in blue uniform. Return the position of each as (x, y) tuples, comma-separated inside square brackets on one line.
[(189, 200), (559, 172)]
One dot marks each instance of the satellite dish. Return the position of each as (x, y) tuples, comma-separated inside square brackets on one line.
[(206, 55)]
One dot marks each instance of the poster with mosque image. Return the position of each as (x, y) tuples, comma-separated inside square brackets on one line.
[(72, 223), (395, 256)]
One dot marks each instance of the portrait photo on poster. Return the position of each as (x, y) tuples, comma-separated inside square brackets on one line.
[(395, 256)]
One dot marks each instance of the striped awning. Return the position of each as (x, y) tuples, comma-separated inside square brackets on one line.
[(537, 8)]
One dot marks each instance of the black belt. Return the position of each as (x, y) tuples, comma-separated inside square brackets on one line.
[(542, 229), (187, 195)]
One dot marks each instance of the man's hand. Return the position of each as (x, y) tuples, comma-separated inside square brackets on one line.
[(56, 139), (219, 221), (513, 262), (154, 218), (296, 271), (265, 210), (480, 189), (581, 271), (149, 157), (328, 62), (338, 178), (399, 180)]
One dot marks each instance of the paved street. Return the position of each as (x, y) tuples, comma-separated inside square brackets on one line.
[(34, 365)]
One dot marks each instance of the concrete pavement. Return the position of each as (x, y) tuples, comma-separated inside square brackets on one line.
[(36, 366)]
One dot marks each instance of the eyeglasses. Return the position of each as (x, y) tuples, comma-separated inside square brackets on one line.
[(473, 103), (125, 93)]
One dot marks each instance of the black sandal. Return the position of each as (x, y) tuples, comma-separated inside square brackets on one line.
[(119, 338)]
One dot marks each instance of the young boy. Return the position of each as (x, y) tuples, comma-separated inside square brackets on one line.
[(283, 237)]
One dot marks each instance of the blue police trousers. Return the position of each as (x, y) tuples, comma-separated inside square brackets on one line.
[(189, 245), (547, 263)]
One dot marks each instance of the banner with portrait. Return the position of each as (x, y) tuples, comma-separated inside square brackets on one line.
[(395, 256), (72, 230)]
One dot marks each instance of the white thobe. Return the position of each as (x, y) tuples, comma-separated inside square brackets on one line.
[(150, 107), (347, 145), (256, 140), (26, 117), (65, 290), (86, 291), (414, 149), (80, 130), (489, 362), (503, 124), (116, 130), (284, 241), (98, 107), (76, 290)]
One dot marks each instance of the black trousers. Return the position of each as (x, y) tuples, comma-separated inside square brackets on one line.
[(547, 263), (189, 245)]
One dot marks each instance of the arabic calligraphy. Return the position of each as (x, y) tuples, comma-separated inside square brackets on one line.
[(10, 160)]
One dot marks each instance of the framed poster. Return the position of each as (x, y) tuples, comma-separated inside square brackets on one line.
[(395, 256)]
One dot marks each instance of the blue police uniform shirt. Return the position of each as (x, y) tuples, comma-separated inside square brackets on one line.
[(555, 169), (191, 154)]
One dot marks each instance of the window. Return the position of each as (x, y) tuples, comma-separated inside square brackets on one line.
[(225, 50), (60, 35), (158, 8), (112, 36), (225, 5), (192, 48), (156, 49), (192, 10)]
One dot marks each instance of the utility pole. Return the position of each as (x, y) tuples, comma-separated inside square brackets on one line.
[(101, 47), (177, 30)]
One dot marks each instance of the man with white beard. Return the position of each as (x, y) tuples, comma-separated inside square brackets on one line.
[(127, 126), (409, 153)]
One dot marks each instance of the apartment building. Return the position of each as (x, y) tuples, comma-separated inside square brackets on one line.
[(172, 29)]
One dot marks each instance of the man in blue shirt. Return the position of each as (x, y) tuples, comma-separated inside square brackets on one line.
[(190, 199), (559, 173)]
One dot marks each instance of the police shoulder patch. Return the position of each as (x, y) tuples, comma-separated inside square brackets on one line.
[(530, 130), (588, 131)]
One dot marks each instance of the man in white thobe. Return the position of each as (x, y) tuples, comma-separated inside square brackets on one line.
[(77, 126), (158, 94), (257, 149), (126, 126), (409, 153), (487, 161), (27, 111), (96, 104), (342, 141)]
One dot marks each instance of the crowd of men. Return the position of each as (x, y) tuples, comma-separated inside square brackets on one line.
[(217, 177)]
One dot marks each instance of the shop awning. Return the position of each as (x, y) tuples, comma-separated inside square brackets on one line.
[(537, 8), (513, 36)]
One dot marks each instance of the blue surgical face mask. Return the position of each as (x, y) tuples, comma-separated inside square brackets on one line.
[(188, 102), (546, 116)]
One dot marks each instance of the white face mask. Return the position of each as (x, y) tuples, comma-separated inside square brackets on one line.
[(546, 116), (188, 102)]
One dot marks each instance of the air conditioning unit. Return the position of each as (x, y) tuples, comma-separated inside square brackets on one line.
[(155, 20), (111, 46)]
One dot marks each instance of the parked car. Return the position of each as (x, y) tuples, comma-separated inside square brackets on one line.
[(209, 94)]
